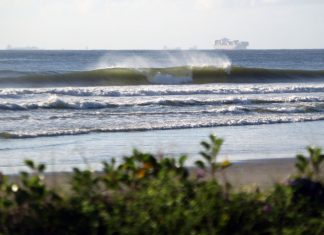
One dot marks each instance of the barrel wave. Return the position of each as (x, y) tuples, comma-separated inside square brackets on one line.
[(147, 76)]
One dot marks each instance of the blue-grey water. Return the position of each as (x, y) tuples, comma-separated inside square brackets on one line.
[(73, 108)]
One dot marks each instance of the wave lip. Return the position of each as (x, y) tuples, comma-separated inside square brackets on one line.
[(172, 75)]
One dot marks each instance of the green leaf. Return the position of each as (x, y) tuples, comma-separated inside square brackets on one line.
[(206, 156), (41, 168), (321, 158), (30, 164), (182, 160), (200, 164), (301, 158), (205, 145), (300, 167)]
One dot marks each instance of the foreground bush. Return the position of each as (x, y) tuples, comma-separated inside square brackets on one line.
[(149, 195)]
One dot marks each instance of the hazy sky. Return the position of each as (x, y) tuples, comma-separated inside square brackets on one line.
[(152, 24)]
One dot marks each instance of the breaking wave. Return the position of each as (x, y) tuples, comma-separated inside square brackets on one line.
[(170, 75), (55, 102), (182, 125), (164, 90)]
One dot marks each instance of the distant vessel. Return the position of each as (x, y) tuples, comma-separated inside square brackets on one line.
[(9, 47), (226, 44)]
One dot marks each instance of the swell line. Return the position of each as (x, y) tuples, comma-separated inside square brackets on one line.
[(57, 103), (172, 75), (164, 90)]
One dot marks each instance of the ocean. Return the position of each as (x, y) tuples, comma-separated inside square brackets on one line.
[(79, 108)]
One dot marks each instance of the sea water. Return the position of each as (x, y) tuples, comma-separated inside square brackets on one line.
[(79, 108)]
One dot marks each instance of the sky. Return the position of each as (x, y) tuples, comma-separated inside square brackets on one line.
[(154, 24)]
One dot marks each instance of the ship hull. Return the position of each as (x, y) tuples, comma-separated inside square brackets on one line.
[(241, 47)]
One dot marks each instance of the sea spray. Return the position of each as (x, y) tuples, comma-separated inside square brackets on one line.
[(163, 59), (153, 68)]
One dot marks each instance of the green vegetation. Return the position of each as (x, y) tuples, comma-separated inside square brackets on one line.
[(158, 195)]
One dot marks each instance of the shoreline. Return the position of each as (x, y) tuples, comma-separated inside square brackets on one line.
[(242, 144)]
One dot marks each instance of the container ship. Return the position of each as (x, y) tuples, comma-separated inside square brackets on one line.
[(227, 44)]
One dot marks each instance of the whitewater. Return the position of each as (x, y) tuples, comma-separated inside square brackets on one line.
[(51, 98)]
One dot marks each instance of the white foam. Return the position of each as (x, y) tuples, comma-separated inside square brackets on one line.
[(56, 102), (157, 90), (164, 126)]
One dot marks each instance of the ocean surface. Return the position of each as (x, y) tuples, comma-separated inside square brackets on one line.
[(78, 108)]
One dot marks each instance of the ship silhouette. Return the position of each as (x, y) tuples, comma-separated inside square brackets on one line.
[(227, 44)]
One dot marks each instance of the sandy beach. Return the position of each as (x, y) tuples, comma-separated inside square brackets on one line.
[(260, 173), (255, 173)]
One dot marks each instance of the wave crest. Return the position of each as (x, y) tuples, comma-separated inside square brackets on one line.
[(182, 125), (54, 102), (164, 90), (171, 75)]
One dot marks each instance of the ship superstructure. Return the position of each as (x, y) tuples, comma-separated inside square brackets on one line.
[(227, 44)]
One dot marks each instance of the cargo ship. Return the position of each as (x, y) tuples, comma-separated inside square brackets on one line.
[(227, 44)]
